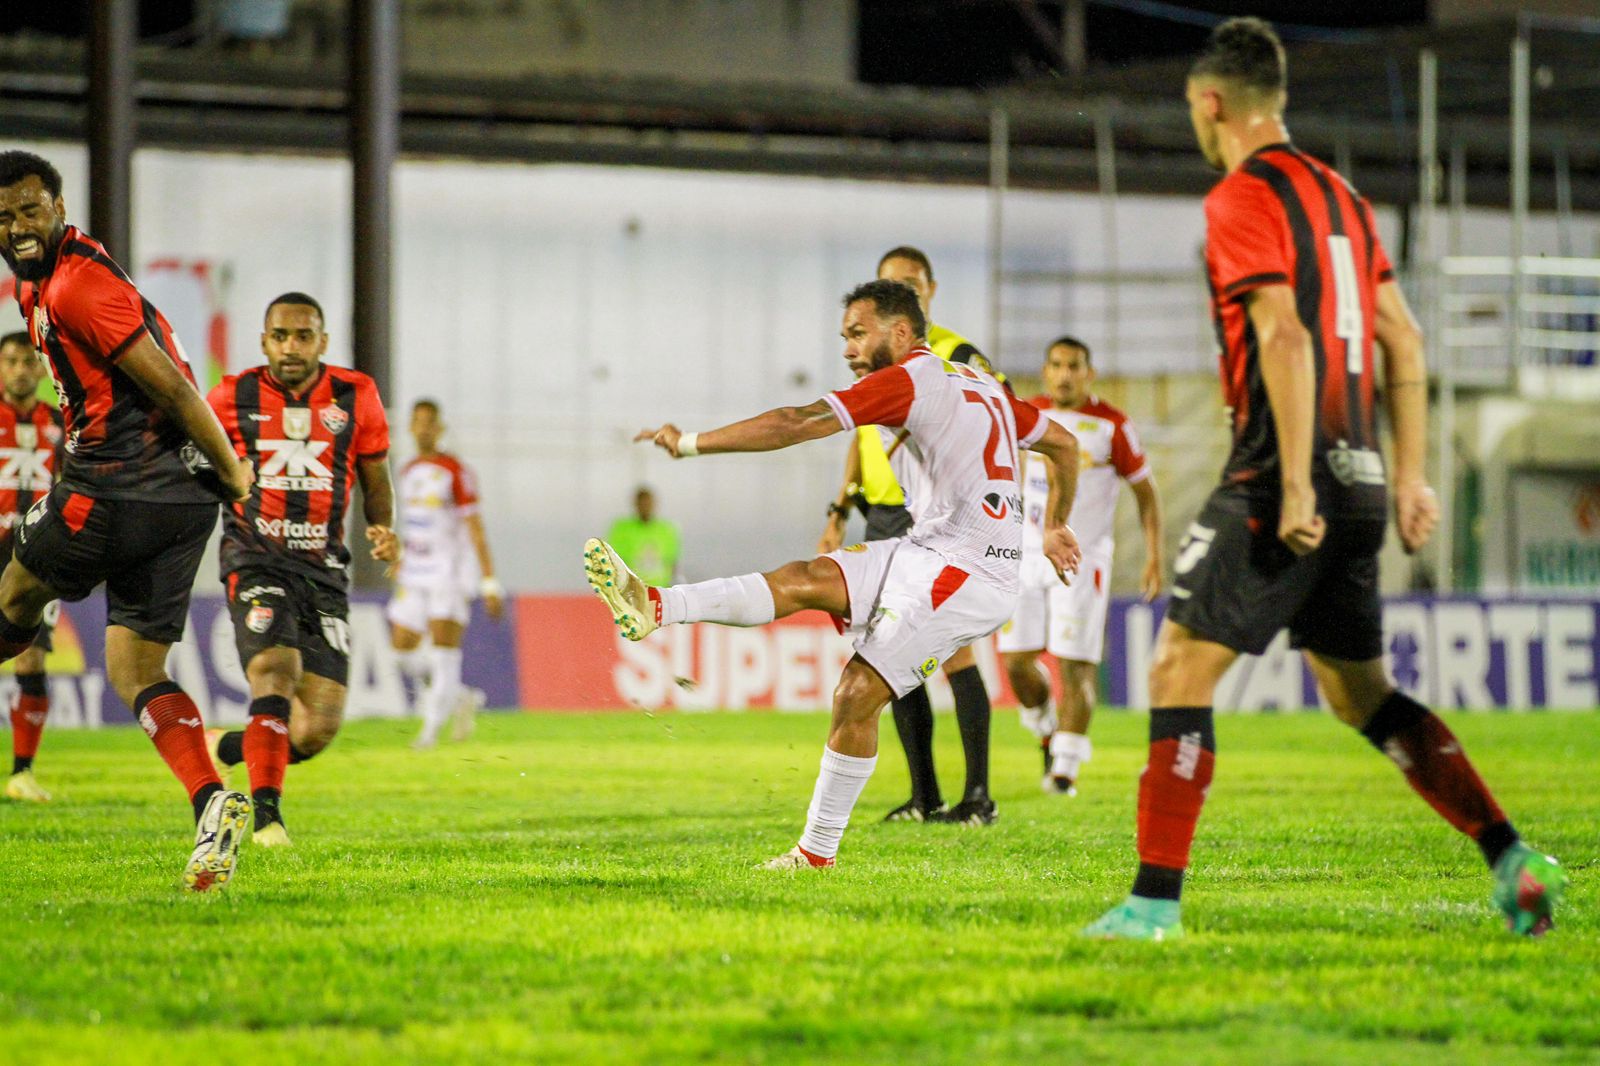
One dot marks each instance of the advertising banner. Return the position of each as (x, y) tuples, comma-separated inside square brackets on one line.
[(561, 653), (206, 664)]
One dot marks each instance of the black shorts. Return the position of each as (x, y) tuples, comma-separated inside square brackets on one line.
[(278, 608), (145, 553), (886, 521), (1237, 584), (45, 641)]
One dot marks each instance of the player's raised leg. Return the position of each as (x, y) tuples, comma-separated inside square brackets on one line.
[(1528, 885), (28, 715), (746, 600)]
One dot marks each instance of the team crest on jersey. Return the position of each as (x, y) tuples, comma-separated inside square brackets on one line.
[(335, 418), (854, 548), (41, 323), (297, 423), (258, 619)]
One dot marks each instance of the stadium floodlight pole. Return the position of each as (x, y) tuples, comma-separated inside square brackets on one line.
[(1105, 157), (1430, 289), (112, 105), (374, 144), (1520, 91), (999, 175)]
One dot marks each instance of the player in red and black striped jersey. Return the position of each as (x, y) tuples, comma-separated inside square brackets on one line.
[(144, 464), (313, 430), (1301, 291), (30, 437)]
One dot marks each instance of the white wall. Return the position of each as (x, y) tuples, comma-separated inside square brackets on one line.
[(555, 310)]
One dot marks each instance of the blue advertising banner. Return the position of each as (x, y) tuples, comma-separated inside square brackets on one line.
[(206, 664), (1479, 654)]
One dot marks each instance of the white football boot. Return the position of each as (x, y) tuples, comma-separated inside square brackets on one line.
[(627, 597)]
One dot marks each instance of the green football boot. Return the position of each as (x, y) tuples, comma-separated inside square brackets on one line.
[(1528, 886), (1138, 918)]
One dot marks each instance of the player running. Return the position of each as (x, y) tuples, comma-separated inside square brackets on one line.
[(1070, 620), (912, 601), (30, 436), (136, 500), (446, 562), (884, 479), (1301, 288), (313, 430)]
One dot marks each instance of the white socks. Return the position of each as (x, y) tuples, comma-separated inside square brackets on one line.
[(1040, 720), (839, 785), (443, 690), (1068, 753), (745, 600)]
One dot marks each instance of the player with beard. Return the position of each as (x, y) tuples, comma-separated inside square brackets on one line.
[(883, 479), (912, 601), (136, 498), (1301, 289), (1069, 621), (30, 436), (313, 430)]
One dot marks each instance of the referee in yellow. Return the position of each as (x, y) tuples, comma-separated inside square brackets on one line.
[(870, 482)]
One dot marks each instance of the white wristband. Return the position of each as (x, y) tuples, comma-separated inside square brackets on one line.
[(687, 445), (489, 588)]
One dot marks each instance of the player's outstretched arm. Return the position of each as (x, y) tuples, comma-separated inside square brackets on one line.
[(155, 373), (1288, 369), (1148, 498), (781, 427), (1405, 372), (1060, 543), (377, 506)]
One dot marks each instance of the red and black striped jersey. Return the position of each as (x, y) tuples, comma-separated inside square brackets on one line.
[(305, 449), (29, 441), (1284, 218), (84, 317)]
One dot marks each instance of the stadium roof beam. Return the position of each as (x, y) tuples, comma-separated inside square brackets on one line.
[(918, 135)]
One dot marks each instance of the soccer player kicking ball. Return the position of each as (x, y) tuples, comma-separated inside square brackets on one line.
[(30, 436), (313, 430), (1301, 288), (912, 601), (137, 496)]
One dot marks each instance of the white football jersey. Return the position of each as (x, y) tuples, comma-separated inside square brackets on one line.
[(964, 432), (1108, 454), (436, 495)]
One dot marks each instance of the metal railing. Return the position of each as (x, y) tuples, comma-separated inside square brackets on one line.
[(1500, 318)]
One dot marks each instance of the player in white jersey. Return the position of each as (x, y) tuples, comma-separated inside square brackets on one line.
[(911, 601), (445, 564), (1069, 621)]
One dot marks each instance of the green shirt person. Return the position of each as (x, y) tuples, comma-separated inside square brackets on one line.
[(646, 543)]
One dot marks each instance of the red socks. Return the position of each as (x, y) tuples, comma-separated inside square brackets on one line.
[(1438, 770), (172, 721), (266, 744), (27, 719), (1172, 790)]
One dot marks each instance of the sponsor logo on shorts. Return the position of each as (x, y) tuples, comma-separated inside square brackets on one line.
[(1355, 466), (1002, 553), (255, 592), (259, 619), (929, 665), (335, 418), (296, 536)]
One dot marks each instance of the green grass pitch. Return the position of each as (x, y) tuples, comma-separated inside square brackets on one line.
[(579, 888)]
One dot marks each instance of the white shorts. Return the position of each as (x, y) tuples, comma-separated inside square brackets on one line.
[(414, 606), (910, 610), (1068, 621)]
